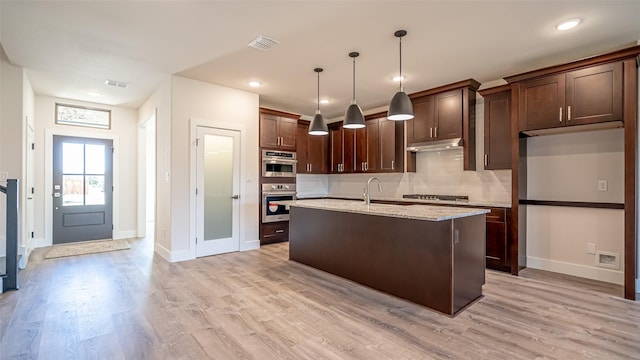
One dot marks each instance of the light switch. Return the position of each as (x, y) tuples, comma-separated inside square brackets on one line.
[(603, 185), (591, 248)]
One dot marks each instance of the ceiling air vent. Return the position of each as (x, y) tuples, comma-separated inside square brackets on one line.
[(263, 43), (120, 84)]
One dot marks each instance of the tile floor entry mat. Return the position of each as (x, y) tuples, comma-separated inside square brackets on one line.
[(86, 247)]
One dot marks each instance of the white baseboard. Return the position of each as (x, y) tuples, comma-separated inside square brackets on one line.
[(125, 234), (584, 271), (172, 256), (250, 245)]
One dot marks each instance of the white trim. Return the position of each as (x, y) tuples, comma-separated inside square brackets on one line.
[(250, 245), (175, 256), (224, 125), (125, 234), (142, 172), (37, 243), (584, 271), (48, 176)]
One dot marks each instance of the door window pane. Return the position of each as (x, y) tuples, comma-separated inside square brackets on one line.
[(218, 187), (94, 190), (72, 158), (94, 158), (72, 190)]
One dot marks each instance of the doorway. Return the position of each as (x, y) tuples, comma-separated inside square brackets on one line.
[(147, 176), (217, 191), (82, 173)]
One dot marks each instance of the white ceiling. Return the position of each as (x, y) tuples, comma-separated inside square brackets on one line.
[(70, 47)]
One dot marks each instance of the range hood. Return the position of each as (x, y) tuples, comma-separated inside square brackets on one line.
[(436, 145)]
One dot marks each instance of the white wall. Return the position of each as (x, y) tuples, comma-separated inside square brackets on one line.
[(436, 173), (160, 104), (123, 127), (199, 100), (568, 167)]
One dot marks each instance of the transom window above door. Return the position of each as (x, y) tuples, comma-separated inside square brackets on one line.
[(83, 116)]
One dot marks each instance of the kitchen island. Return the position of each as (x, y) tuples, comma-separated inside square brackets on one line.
[(430, 255)]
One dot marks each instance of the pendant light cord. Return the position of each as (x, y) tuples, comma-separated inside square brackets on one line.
[(401, 63), (318, 90), (354, 80)]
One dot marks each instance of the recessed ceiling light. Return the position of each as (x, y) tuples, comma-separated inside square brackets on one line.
[(94, 93), (569, 24), (398, 78), (254, 83), (324, 101)]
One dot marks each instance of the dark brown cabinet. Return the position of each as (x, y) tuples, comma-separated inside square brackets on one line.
[(497, 240), (342, 157), (312, 151), (274, 232), (585, 96), (443, 113), (278, 130), (497, 127)]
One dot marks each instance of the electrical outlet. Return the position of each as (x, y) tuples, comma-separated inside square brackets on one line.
[(603, 185), (591, 248)]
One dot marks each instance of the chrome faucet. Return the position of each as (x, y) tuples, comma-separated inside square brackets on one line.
[(367, 194)]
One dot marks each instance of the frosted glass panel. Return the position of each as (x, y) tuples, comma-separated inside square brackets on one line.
[(94, 159), (218, 187), (72, 158)]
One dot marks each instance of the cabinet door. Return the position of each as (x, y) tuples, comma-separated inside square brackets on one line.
[(317, 151), (497, 131), (420, 129), (594, 94), (361, 149), (287, 128), (268, 131), (335, 137), (303, 138), (496, 244), (448, 115), (373, 144), (388, 145), (542, 103), (349, 150)]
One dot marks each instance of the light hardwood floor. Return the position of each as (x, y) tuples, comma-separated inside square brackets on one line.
[(258, 305)]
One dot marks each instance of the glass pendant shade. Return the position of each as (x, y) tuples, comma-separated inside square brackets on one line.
[(400, 108), (318, 126), (353, 118)]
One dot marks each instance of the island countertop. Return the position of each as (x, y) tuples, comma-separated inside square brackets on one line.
[(416, 212)]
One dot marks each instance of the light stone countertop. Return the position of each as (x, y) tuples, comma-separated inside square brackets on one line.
[(417, 212), (426, 202)]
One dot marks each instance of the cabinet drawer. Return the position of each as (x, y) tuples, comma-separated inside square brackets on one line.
[(274, 232), (496, 215)]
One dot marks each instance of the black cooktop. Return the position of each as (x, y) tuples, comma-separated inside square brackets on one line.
[(460, 198)]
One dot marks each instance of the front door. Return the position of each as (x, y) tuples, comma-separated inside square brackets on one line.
[(218, 184), (82, 189)]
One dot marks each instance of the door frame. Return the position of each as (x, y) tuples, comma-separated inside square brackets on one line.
[(193, 159), (143, 176), (48, 178)]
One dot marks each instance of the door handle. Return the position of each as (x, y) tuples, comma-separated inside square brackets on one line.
[(235, 197)]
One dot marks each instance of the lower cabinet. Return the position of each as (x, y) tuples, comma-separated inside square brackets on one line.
[(498, 240), (274, 232)]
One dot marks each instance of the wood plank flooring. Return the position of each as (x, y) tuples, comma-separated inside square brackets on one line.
[(258, 305)]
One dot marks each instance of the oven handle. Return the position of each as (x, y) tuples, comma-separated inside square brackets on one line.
[(281, 193), (279, 161)]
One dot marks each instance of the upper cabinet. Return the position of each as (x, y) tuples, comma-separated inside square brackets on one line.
[(497, 127), (443, 113), (589, 95), (342, 154), (278, 130), (312, 151)]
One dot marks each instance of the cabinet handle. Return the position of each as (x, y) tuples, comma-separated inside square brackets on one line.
[(486, 159), (366, 166), (393, 165), (279, 231), (569, 113), (430, 132), (310, 167), (560, 116), (435, 132)]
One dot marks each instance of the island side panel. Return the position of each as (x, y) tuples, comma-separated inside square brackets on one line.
[(411, 259), (468, 260)]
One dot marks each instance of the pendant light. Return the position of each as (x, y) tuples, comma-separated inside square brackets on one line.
[(353, 118), (400, 108), (318, 126)]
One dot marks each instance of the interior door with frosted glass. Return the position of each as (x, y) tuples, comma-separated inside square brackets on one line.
[(218, 184), (82, 189)]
